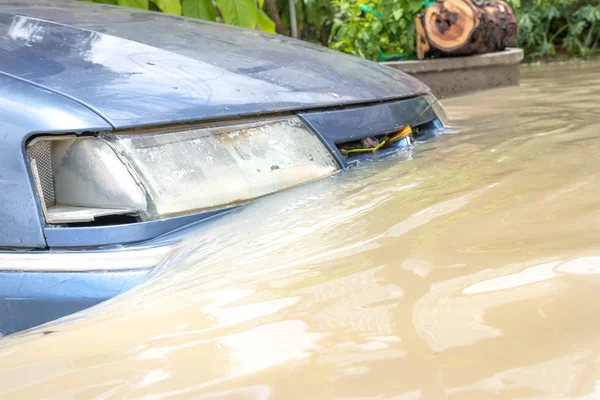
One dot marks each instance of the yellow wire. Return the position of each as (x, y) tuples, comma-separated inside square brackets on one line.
[(404, 132)]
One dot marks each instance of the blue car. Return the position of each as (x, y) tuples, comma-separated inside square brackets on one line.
[(123, 131)]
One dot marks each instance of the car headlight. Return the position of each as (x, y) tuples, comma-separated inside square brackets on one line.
[(158, 175)]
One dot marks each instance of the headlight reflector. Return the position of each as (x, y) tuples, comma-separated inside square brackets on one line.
[(79, 179)]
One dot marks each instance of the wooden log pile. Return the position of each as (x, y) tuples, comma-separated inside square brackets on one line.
[(460, 28)]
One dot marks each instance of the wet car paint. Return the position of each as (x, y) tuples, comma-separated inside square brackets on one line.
[(26, 110), (140, 68), (30, 298)]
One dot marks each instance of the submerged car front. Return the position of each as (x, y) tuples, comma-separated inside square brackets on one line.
[(121, 131)]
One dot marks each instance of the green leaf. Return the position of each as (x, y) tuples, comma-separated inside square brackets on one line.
[(261, 3), (577, 28), (264, 22), (143, 4), (594, 14), (239, 12), (397, 14), (551, 12), (376, 27), (169, 6), (203, 9), (415, 6)]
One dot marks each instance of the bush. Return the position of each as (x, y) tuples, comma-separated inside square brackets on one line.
[(377, 29), (313, 17), (548, 27), (374, 29)]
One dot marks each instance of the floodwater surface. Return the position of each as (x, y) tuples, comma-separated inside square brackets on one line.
[(466, 268)]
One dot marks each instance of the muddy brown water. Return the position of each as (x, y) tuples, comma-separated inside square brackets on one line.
[(468, 268)]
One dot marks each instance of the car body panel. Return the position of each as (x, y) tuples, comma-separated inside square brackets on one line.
[(142, 68), (28, 299), (351, 124), (25, 110)]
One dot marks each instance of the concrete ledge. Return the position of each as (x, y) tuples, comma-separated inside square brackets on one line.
[(459, 75)]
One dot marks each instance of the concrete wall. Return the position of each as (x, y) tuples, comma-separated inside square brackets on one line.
[(458, 75)]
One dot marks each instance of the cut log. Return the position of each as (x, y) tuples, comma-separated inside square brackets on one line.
[(450, 24), (501, 22), (422, 42), (461, 27)]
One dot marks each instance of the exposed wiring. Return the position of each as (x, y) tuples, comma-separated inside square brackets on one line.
[(401, 134)]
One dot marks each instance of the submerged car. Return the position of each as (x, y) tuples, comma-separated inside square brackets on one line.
[(122, 131)]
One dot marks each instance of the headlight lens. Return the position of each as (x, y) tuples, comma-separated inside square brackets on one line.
[(175, 173)]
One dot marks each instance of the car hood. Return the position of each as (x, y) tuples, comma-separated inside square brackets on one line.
[(142, 68)]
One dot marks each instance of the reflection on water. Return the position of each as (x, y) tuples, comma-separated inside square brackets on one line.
[(469, 270)]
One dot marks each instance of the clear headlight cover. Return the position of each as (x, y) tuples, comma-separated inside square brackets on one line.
[(182, 172)]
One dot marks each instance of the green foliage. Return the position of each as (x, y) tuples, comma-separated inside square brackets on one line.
[(313, 18), (375, 29), (264, 22), (203, 9), (380, 29), (246, 13), (550, 27), (239, 12), (169, 6), (143, 4)]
